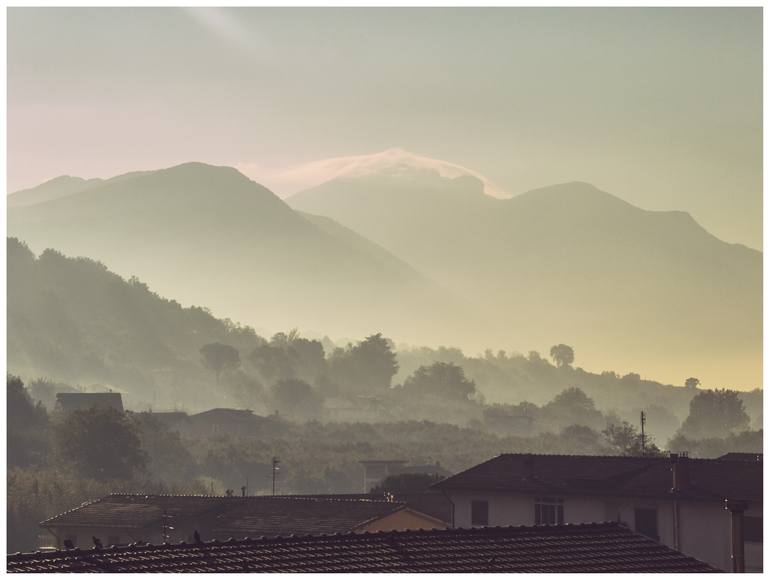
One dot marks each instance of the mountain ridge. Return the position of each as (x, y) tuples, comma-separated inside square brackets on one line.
[(573, 259), (196, 223)]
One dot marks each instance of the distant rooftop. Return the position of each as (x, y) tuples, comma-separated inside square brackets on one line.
[(710, 479), (69, 402), (230, 516), (226, 411), (588, 548)]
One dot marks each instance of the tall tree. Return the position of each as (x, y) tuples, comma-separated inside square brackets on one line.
[(692, 383), (441, 379), (295, 398), (624, 439), (220, 357), (715, 413), (366, 368), (100, 443), (28, 431), (562, 355), (571, 407), (289, 356)]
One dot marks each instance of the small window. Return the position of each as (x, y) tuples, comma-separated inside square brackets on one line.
[(646, 522), (549, 511), (479, 513), (752, 528)]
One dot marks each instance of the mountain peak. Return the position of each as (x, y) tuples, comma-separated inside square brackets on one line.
[(201, 168), (572, 192), (394, 161), (60, 186)]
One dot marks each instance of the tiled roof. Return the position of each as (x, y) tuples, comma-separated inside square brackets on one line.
[(270, 516), (222, 517), (620, 476), (607, 547), (136, 510), (431, 503)]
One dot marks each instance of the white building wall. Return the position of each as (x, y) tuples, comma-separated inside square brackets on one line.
[(704, 527)]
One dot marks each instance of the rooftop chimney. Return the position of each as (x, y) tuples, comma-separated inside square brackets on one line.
[(680, 472)]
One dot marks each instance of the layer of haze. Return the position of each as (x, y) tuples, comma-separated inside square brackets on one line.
[(660, 106)]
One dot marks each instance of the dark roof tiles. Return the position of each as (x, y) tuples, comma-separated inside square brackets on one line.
[(710, 479), (607, 547), (236, 516), (274, 516)]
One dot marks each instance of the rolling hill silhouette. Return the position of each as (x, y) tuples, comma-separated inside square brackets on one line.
[(211, 237), (629, 288)]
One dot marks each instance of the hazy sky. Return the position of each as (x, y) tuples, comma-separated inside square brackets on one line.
[(662, 107)]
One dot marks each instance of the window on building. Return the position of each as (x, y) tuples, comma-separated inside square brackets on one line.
[(752, 528), (646, 522), (479, 513), (549, 511), (71, 539)]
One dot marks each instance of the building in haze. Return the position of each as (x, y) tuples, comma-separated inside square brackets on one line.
[(691, 505), (119, 519), (68, 402)]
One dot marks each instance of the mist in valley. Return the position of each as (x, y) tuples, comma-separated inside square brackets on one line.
[(177, 323)]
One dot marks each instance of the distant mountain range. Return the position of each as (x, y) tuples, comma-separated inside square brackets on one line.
[(422, 252), (628, 288), (211, 237)]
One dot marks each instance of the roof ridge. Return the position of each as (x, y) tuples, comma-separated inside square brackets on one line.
[(316, 498), (612, 457), (337, 535), (64, 513)]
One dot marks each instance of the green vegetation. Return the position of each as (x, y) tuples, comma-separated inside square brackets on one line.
[(101, 444), (73, 320), (107, 451), (220, 357), (720, 413), (441, 379), (209, 235), (73, 325)]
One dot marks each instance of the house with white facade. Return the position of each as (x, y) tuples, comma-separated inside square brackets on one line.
[(710, 509)]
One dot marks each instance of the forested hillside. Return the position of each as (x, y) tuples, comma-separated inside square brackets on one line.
[(73, 321)]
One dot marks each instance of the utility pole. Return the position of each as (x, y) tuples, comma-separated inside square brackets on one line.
[(276, 461), (643, 420)]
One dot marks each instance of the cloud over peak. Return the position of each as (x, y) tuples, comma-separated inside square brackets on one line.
[(391, 161)]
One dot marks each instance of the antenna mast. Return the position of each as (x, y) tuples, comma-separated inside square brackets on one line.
[(643, 420)]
